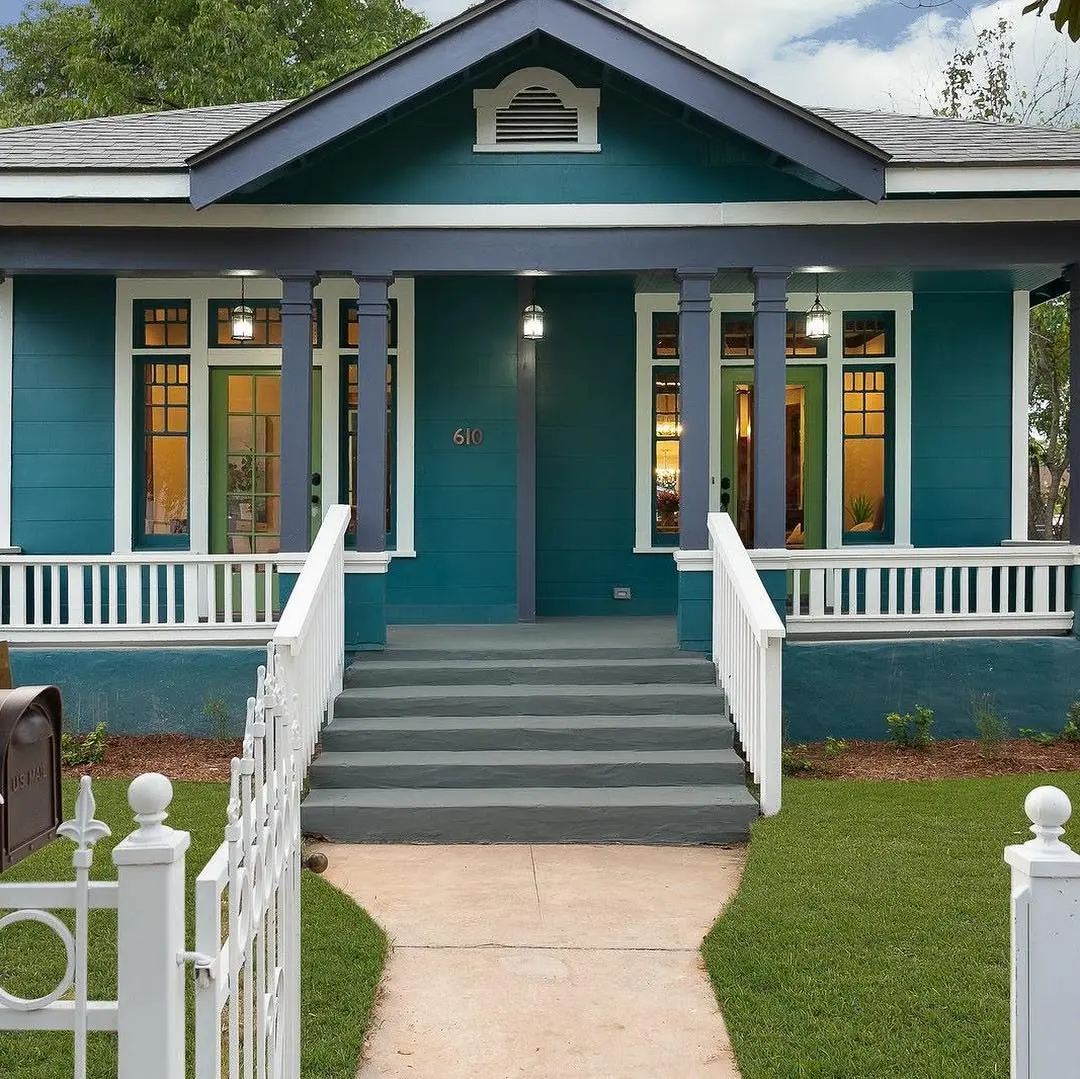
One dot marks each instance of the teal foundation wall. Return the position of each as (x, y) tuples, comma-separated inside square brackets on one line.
[(365, 612), (585, 457), (147, 690), (845, 688), (62, 430), (694, 614), (466, 496), (961, 435), (653, 150)]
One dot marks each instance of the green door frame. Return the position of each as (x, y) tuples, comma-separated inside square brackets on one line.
[(219, 445), (811, 377)]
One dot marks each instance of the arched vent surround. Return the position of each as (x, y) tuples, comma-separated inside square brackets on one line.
[(536, 114), (536, 110)]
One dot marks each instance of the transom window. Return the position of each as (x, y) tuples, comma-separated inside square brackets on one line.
[(665, 332), (869, 333), (161, 324), (867, 454), (266, 324), (162, 459), (737, 337), (349, 325)]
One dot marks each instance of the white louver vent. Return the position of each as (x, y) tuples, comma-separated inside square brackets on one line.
[(537, 114), (536, 111)]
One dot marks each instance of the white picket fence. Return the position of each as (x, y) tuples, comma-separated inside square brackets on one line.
[(867, 591), (247, 965), (747, 647), (172, 598)]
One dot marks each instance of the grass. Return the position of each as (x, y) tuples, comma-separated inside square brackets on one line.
[(870, 936), (343, 950)]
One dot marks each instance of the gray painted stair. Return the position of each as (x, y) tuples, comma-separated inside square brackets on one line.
[(541, 744)]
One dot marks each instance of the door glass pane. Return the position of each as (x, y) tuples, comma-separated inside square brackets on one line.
[(253, 466), (795, 451)]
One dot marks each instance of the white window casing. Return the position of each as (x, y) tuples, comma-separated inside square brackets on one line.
[(7, 330), (202, 357), (537, 110), (648, 304)]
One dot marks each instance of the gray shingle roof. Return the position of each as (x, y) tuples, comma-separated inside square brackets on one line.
[(147, 140), (936, 140), (165, 140)]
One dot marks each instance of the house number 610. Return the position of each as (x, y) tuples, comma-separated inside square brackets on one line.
[(468, 436)]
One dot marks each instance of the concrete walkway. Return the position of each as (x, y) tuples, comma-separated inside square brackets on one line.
[(543, 962)]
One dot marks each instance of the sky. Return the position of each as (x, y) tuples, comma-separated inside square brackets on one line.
[(884, 54)]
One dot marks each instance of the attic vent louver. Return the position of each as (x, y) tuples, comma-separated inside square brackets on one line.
[(536, 111)]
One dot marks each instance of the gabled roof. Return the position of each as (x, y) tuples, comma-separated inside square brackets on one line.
[(486, 29)]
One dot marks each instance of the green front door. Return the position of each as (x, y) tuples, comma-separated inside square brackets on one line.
[(804, 450), (245, 459)]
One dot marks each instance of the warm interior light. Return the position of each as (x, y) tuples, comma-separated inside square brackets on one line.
[(532, 323), (243, 319), (817, 318)]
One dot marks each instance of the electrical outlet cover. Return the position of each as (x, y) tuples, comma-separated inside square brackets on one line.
[(622, 593)]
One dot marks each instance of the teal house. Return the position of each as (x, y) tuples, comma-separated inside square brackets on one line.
[(542, 296)]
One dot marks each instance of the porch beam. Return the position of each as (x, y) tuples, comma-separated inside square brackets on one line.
[(1072, 275), (695, 307), (373, 322), (770, 396), (204, 251), (297, 301)]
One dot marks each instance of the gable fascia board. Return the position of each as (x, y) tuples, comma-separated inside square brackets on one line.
[(982, 179), (92, 184), (308, 125)]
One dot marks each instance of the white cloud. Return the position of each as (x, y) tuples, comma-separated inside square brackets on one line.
[(795, 47)]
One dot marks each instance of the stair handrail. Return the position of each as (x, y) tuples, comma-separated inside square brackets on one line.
[(747, 649)]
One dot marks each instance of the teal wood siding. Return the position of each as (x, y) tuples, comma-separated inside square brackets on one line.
[(585, 457), (961, 435), (62, 415), (466, 496), (652, 151)]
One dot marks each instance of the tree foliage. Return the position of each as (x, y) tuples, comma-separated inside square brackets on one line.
[(66, 61), (1066, 16), (1048, 453)]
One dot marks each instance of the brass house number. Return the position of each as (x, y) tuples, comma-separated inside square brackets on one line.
[(469, 436)]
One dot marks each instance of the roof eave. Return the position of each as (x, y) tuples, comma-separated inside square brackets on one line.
[(313, 122)]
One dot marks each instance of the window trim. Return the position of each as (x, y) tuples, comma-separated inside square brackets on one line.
[(487, 103), (888, 531), (140, 540)]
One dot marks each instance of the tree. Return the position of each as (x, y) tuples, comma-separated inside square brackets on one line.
[(1065, 15), (109, 57), (981, 84)]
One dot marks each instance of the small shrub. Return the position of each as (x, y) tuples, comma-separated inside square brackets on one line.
[(1042, 738), (1071, 731), (909, 730), (794, 761), (83, 749), (216, 710), (835, 747), (990, 723)]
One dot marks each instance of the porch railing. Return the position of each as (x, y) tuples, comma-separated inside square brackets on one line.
[(747, 637), (113, 599), (867, 592)]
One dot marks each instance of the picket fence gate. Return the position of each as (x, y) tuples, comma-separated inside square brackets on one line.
[(245, 956)]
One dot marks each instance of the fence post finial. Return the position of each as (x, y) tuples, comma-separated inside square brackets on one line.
[(150, 795), (1048, 808)]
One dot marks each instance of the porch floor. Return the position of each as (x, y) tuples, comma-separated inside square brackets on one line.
[(545, 635)]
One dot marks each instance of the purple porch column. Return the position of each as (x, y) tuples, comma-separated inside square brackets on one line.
[(770, 406), (373, 318), (695, 305)]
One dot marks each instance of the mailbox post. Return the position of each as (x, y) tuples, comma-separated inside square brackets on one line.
[(31, 719)]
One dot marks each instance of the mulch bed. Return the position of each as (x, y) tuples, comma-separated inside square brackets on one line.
[(176, 755), (942, 760)]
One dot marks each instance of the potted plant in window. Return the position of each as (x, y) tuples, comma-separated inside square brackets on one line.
[(862, 510)]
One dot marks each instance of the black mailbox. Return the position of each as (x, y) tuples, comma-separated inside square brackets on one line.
[(30, 725)]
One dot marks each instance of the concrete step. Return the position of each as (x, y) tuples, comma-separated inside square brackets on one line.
[(477, 733), (512, 670), (647, 815), (520, 649), (534, 700), (526, 768)]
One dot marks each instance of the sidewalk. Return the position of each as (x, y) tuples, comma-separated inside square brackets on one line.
[(543, 962)]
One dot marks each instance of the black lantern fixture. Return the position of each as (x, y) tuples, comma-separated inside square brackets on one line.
[(243, 319), (532, 323), (817, 318)]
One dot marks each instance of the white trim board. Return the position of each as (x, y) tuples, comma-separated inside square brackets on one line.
[(973, 179), (1021, 377), (202, 358), (7, 341), (63, 184)]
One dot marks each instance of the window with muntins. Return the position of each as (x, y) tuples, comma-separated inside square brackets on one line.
[(869, 333), (667, 432), (665, 335), (868, 454), (161, 324), (349, 401), (162, 453), (266, 324), (349, 325), (737, 337)]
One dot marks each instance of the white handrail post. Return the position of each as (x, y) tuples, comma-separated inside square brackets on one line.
[(772, 765), (1045, 942), (150, 937)]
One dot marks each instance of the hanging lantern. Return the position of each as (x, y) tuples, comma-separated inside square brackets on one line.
[(532, 323), (243, 319), (817, 318)]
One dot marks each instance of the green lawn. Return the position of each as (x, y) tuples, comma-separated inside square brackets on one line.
[(343, 949), (870, 936)]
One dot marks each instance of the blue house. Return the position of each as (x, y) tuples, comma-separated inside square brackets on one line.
[(535, 294)]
